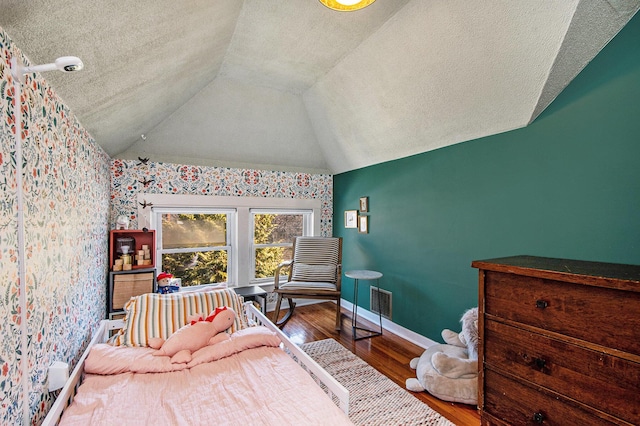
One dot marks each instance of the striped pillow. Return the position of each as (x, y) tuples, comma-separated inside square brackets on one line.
[(160, 315), (313, 273), (317, 251), (315, 259)]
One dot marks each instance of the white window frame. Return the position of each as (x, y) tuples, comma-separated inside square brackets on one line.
[(241, 274), (230, 236), (307, 229)]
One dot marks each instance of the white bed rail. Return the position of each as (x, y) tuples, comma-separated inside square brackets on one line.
[(65, 397), (330, 385)]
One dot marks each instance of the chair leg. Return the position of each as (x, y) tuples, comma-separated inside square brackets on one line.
[(287, 316), (276, 312), (338, 315)]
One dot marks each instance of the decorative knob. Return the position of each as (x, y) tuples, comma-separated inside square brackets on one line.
[(541, 304), (540, 363), (538, 417)]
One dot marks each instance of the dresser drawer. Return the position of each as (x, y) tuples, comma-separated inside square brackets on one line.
[(568, 369), (604, 316), (515, 404)]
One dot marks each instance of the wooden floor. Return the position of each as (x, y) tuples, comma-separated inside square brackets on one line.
[(388, 353)]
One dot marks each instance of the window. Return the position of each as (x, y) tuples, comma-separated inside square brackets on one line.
[(273, 233), (238, 240), (195, 245)]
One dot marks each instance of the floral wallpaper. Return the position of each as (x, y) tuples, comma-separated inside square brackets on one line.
[(73, 193), (129, 178), (66, 212)]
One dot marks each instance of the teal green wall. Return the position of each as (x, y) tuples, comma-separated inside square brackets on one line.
[(568, 185)]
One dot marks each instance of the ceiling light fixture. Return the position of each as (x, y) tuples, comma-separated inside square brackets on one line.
[(346, 5)]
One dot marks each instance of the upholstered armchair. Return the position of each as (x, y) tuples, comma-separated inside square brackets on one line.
[(315, 272)]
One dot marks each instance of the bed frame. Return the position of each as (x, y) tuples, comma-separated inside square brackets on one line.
[(335, 390)]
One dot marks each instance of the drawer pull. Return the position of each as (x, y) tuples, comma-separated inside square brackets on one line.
[(538, 417), (540, 363), (541, 304)]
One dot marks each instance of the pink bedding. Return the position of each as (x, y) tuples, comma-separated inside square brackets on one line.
[(245, 380)]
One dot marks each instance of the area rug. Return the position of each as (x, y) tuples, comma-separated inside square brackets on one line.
[(374, 399)]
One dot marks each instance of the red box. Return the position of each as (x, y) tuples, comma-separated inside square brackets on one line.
[(141, 237)]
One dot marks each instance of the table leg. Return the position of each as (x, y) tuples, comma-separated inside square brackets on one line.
[(354, 318), (354, 312), (379, 307)]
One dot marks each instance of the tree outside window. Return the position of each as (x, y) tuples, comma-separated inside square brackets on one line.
[(273, 238), (195, 247)]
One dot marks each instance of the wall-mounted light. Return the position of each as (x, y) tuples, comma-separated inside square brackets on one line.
[(64, 64), (346, 5)]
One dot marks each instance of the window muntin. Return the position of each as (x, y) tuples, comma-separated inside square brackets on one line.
[(240, 269), (194, 245), (273, 233)]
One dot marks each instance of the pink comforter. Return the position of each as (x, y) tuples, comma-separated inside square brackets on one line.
[(246, 380)]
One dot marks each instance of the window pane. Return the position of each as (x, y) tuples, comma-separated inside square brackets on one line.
[(268, 259), (193, 230), (197, 267), (277, 228)]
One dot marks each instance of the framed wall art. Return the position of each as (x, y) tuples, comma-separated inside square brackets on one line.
[(364, 204), (351, 218), (363, 224)]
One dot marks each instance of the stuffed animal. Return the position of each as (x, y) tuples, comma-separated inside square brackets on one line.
[(165, 283), (450, 371), (195, 335)]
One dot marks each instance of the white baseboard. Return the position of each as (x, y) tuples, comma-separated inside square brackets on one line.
[(390, 326), (394, 328)]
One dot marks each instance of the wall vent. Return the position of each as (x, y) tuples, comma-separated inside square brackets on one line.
[(385, 302)]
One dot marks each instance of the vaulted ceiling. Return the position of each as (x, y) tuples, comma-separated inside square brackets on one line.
[(292, 85)]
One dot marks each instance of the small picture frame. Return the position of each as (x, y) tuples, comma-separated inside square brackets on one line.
[(364, 204), (363, 224), (351, 218)]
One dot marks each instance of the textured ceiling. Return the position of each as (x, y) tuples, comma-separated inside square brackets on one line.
[(292, 85)]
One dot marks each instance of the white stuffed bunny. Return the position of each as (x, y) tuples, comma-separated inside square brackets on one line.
[(450, 371)]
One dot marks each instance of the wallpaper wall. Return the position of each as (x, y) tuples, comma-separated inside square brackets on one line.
[(66, 208), (129, 178)]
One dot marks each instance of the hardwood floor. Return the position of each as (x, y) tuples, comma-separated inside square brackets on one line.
[(388, 353)]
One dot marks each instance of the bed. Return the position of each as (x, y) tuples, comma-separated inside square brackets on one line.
[(259, 377)]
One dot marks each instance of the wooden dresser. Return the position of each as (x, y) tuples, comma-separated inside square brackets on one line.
[(559, 342)]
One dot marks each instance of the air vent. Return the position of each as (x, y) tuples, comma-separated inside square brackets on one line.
[(385, 302)]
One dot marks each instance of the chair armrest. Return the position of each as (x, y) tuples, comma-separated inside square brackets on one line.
[(276, 278), (338, 276)]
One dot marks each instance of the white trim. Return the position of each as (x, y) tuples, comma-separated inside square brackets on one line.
[(241, 275), (398, 330), (308, 219), (231, 238), (392, 327), (181, 200)]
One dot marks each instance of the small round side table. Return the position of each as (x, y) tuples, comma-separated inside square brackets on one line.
[(357, 275)]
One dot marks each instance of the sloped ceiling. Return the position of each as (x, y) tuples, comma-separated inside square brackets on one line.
[(292, 85)]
